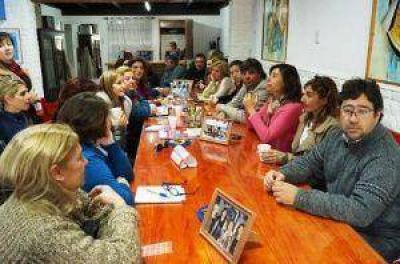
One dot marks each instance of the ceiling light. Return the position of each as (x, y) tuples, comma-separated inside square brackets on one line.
[(147, 6)]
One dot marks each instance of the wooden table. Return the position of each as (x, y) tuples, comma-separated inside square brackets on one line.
[(287, 235)]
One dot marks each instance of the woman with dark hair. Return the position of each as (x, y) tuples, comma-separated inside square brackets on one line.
[(89, 116), (320, 101), (142, 87), (276, 122), (7, 62)]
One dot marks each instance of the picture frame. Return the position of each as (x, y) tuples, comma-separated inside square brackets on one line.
[(275, 30), (181, 87), (227, 225), (216, 130), (2, 10), (16, 40), (383, 61)]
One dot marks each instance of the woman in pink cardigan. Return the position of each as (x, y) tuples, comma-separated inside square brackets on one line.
[(276, 122)]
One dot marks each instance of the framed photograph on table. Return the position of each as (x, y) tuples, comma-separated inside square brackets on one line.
[(16, 41), (216, 130), (275, 30), (227, 225), (384, 42)]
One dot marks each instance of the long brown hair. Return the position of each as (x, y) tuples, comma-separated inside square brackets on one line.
[(326, 88)]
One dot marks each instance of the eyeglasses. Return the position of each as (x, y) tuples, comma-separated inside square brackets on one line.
[(160, 146), (348, 111), (172, 190)]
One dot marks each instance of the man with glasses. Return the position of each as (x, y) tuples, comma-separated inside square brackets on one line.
[(360, 163)]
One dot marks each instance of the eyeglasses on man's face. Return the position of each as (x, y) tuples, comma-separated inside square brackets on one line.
[(362, 112)]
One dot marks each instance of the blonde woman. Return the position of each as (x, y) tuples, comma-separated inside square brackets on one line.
[(44, 219), (15, 99), (112, 91), (220, 84)]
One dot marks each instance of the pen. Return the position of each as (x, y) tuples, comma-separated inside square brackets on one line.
[(158, 193)]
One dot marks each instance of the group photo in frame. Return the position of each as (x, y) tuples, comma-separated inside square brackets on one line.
[(16, 41), (384, 42), (216, 130), (227, 225), (275, 30)]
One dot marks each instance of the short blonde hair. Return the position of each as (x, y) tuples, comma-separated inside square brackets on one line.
[(121, 70), (26, 162), (9, 86), (222, 66)]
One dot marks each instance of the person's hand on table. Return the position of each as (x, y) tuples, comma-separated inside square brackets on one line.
[(271, 177), (273, 156), (284, 193)]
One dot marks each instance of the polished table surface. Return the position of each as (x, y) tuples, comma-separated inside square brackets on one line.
[(286, 235)]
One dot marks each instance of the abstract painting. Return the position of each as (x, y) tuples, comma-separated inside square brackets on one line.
[(275, 30), (384, 44)]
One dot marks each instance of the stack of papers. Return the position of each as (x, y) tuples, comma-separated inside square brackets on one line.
[(158, 194)]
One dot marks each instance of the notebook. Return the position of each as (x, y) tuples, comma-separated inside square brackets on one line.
[(158, 194)]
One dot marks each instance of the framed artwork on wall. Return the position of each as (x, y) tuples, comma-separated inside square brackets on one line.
[(275, 30), (16, 40), (384, 42)]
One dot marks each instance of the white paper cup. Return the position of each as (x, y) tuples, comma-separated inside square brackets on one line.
[(115, 114), (172, 120), (263, 148)]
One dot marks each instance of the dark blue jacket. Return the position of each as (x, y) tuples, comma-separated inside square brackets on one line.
[(11, 124), (104, 168)]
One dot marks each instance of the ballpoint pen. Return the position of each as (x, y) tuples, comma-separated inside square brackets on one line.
[(158, 193)]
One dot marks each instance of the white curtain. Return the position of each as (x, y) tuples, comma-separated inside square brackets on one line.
[(129, 34)]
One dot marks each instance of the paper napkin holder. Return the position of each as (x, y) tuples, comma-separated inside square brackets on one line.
[(182, 158)]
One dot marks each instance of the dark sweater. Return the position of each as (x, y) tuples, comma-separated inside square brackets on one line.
[(363, 185), (11, 124)]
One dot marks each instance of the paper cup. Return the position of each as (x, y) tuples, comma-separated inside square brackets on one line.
[(262, 148)]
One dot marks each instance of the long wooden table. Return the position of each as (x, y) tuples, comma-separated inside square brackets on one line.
[(287, 235)]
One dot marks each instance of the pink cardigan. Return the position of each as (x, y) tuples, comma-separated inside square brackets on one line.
[(277, 129)]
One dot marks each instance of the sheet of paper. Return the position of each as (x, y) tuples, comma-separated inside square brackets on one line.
[(157, 249), (158, 194), (154, 128)]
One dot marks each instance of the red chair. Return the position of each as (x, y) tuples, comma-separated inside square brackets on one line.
[(396, 136)]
